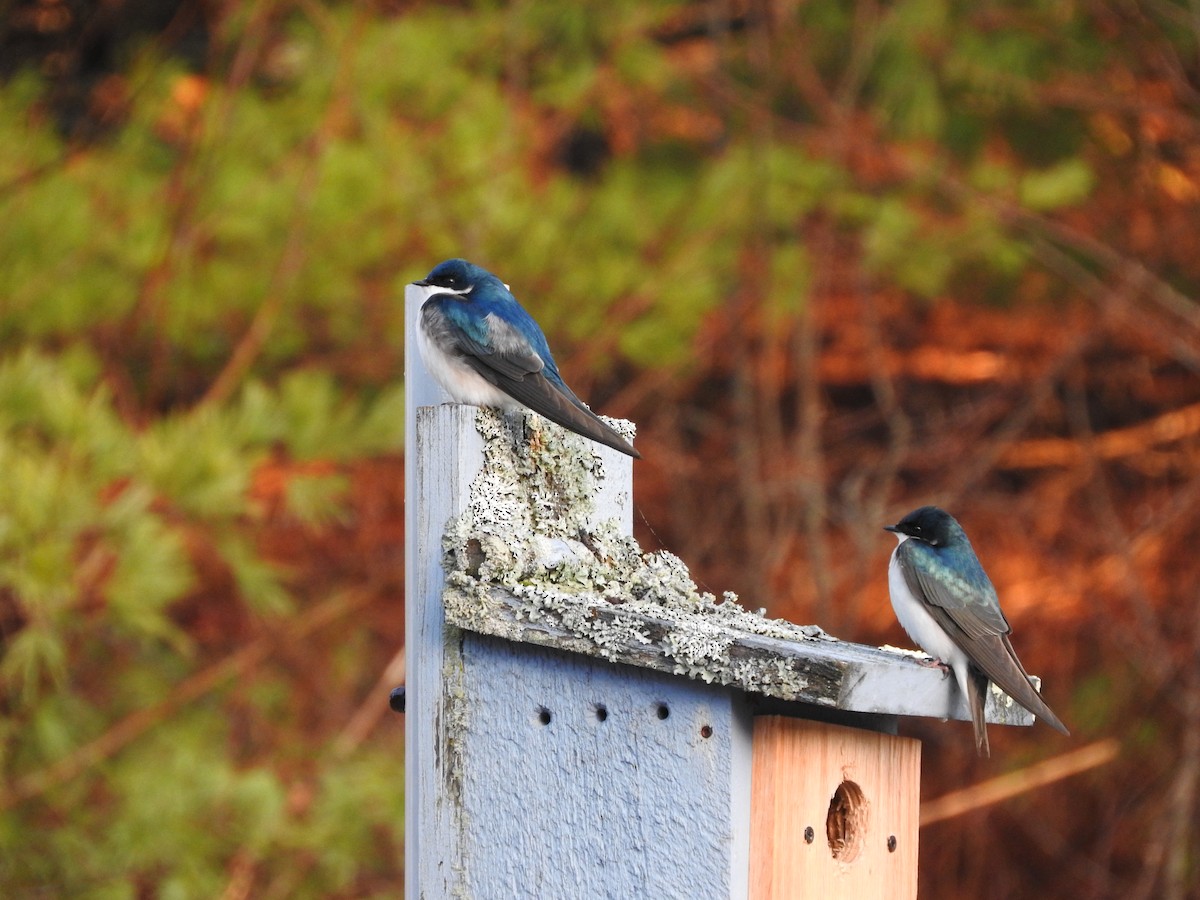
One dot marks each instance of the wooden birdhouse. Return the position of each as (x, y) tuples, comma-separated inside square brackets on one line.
[(582, 721)]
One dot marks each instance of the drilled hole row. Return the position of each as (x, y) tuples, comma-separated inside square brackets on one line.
[(661, 711)]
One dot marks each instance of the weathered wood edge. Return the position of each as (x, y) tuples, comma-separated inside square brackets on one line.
[(822, 671)]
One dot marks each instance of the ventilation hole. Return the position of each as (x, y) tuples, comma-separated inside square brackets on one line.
[(663, 711), (544, 715), (705, 731), (846, 822), (809, 835), (601, 712), (891, 843)]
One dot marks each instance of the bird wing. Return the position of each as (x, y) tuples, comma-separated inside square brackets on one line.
[(491, 346), (969, 612), (969, 604), (501, 354)]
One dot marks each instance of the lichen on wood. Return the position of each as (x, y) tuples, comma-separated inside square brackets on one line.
[(524, 562), (527, 562)]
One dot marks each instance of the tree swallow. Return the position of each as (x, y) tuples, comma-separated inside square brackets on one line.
[(481, 345), (947, 604)]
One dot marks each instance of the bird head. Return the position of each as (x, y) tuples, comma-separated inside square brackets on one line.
[(456, 276), (930, 524)]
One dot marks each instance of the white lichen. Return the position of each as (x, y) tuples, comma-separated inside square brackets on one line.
[(529, 531)]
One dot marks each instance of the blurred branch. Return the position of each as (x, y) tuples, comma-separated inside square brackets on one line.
[(356, 730), (986, 454), (1004, 787), (1152, 652), (1086, 96), (1038, 453), (372, 709), (1112, 300), (746, 427), (1042, 228), (137, 723), (1182, 797), (1169, 851), (184, 184), (808, 455), (241, 876), (291, 259), (875, 493)]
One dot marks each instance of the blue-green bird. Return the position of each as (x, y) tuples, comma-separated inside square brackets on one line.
[(947, 604), (481, 345)]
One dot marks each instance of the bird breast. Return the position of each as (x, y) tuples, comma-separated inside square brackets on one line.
[(915, 618), (459, 380)]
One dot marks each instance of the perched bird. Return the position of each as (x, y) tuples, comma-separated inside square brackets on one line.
[(947, 604), (481, 345)]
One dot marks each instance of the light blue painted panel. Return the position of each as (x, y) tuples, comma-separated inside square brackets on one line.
[(559, 799)]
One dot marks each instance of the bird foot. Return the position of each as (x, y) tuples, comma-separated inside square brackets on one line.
[(935, 664)]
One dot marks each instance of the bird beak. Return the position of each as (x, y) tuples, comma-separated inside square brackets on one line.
[(894, 529), (421, 283)]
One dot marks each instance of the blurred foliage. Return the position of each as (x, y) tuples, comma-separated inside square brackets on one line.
[(746, 213), (179, 222)]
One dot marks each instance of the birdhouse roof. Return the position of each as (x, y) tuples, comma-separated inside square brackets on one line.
[(534, 560)]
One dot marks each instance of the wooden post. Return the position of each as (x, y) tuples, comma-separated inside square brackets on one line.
[(438, 468), (835, 812)]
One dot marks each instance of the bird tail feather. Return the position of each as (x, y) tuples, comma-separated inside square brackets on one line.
[(536, 392), (977, 686)]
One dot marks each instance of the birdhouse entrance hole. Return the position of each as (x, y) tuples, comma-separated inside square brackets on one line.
[(846, 821)]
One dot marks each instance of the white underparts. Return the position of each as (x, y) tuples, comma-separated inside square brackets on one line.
[(920, 625)]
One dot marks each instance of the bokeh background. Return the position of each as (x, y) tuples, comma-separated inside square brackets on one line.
[(836, 259)]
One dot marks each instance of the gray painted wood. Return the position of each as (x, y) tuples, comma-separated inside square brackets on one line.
[(443, 455), (501, 804), (575, 786)]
